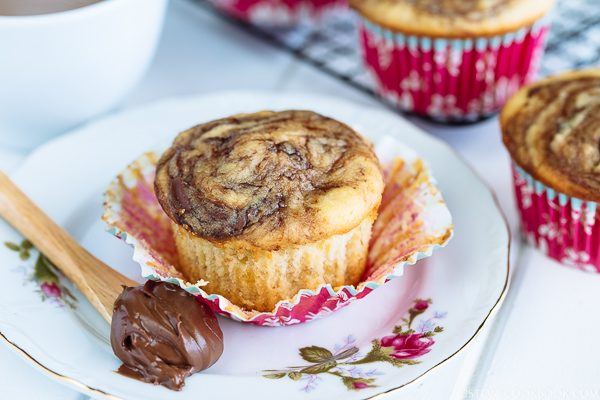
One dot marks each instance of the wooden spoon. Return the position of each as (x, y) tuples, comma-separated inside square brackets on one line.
[(98, 282)]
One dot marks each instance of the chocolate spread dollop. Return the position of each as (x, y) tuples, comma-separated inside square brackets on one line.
[(163, 334)]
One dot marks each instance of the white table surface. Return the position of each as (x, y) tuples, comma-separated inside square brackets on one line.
[(541, 344)]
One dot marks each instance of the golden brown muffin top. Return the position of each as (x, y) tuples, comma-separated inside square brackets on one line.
[(269, 179), (453, 18), (552, 130)]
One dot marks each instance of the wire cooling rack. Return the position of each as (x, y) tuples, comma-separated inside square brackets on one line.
[(332, 46)]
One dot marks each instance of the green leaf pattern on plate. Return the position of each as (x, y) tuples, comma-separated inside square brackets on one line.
[(404, 346), (44, 274)]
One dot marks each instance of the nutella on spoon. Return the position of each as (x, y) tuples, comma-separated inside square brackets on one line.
[(163, 334), (160, 332)]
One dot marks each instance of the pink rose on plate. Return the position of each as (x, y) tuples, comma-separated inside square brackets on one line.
[(407, 346), (50, 289), (421, 305), (359, 385)]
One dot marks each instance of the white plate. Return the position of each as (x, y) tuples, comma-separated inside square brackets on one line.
[(466, 281)]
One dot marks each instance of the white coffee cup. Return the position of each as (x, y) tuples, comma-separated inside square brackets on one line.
[(58, 70)]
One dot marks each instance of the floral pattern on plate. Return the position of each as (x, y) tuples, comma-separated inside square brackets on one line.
[(404, 346), (43, 274)]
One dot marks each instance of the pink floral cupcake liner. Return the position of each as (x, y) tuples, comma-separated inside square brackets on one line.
[(413, 220), (279, 12), (565, 228), (451, 79)]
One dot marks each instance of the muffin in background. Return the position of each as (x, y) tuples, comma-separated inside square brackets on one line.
[(264, 205), (279, 13), (452, 60), (552, 131)]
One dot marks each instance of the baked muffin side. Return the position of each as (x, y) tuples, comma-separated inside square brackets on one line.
[(552, 131), (267, 204)]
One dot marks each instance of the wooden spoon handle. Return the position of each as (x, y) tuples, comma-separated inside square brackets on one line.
[(99, 283)]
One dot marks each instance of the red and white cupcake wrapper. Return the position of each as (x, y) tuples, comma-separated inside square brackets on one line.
[(451, 79), (565, 228), (279, 13), (413, 220)]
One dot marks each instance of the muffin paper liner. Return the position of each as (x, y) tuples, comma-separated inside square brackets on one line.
[(451, 79), (279, 13), (413, 220), (565, 228)]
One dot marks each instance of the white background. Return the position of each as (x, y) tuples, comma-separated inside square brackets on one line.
[(542, 345)]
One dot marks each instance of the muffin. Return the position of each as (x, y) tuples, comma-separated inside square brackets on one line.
[(279, 13), (552, 131), (451, 60), (266, 204)]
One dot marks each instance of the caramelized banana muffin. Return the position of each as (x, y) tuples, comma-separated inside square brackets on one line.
[(451, 60), (552, 131), (266, 204)]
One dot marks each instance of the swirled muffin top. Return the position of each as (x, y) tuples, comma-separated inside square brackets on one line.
[(453, 18), (552, 130), (269, 179)]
